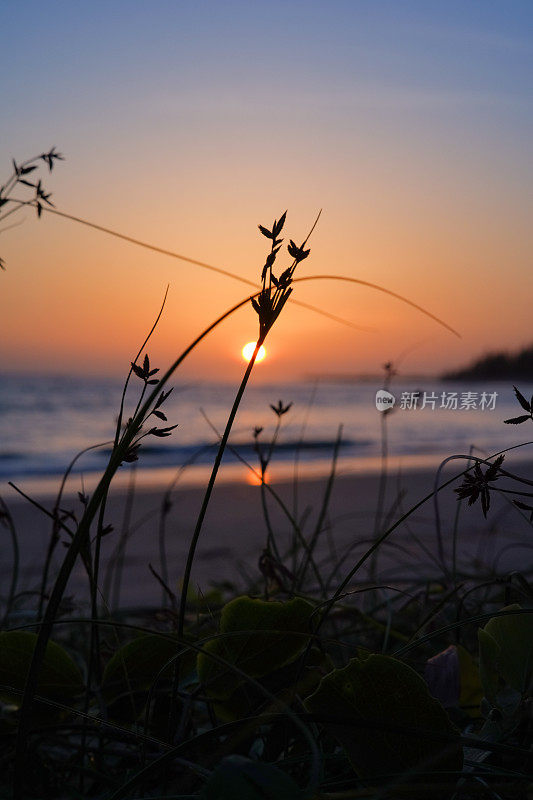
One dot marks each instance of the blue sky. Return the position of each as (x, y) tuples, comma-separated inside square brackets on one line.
[(62, 59)]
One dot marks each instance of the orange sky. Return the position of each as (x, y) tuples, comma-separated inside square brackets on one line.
[(417, 155)]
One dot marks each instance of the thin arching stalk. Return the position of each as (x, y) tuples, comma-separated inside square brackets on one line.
[(383, 474), (94, 647), (385, 535), (54, 536), (298, 535), (382, 489), (297, 457), (264, 462), (80, 537), (379, 288), (195, 262), (94, 670), (126, 382), (199, 525), (123, 539), (166, 505), (296, 526), (322, 515)]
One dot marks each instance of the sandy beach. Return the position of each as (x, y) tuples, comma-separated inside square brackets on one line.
[(234, 535)]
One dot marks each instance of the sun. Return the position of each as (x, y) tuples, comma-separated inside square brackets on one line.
[(248, 351)]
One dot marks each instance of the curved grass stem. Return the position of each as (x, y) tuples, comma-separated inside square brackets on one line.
[(199, 525)]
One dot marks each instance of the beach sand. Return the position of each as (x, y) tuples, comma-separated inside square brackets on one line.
[(234, 535)]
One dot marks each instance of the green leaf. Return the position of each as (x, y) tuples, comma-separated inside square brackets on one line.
[(262, 637), (506, 650), (388, 718), (239, 778), (137, 664), (60, 678)]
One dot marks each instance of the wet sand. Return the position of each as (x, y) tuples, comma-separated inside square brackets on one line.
[(234, 535)]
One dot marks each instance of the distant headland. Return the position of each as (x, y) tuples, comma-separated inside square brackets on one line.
[(497, 366)]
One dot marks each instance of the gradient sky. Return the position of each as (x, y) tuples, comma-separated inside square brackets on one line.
[(185, 124)]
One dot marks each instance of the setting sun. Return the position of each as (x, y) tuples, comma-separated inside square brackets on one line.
[(248, 351)]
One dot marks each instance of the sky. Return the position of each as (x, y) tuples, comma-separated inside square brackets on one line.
[(186, 124)]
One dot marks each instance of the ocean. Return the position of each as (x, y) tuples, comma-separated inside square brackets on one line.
[(46, 420)]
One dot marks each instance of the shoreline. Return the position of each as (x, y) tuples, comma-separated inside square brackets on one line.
[(234, 534), (45, 487)]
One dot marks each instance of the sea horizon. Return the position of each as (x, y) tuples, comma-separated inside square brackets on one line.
[(45, 420)]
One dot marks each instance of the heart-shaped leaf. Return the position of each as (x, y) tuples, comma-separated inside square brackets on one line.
[(387, 719), (261, 637), (506, 650), (137, 664), (59, 679)]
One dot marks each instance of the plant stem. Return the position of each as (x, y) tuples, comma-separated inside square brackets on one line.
[(385, 535), (198, 529), (382, 490), (321, 517)]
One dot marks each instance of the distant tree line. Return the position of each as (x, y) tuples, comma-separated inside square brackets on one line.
[(497, 366)]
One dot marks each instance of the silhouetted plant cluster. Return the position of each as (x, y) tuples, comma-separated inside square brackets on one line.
[(19, 180), (527, 406), (276, 291), (476, 483), (134, 425)]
